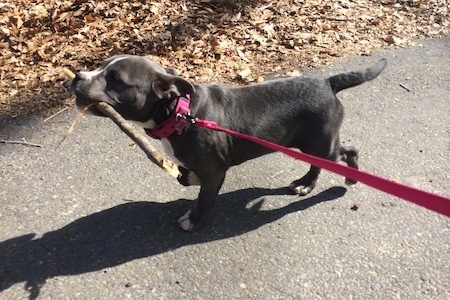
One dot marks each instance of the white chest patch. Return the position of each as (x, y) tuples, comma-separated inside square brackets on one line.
[(149, 124), (192, 178), (165, 142), (169, 151)]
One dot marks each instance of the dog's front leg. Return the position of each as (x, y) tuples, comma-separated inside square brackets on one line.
[(210, 186)]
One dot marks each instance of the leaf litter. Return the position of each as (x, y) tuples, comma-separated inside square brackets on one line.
[(204, 40)]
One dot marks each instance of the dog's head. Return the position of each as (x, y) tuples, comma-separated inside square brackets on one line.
[(134, 85)]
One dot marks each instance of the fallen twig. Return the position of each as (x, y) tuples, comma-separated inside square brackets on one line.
[(72, 126), (20, 143), (405, 87), (55, 114)]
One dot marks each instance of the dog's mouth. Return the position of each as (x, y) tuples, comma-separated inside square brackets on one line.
[(83, 101), (88, 107)]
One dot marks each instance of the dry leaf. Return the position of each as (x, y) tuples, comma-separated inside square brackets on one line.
[(293, 73), (197, 61), (90, 19), (5, 30), (154, 9), (245, 73), (268, 29), (242, 55), (40, 11), (236, 17)]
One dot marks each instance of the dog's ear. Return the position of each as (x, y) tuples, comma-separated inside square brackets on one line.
[(171, 71), (168, 86)]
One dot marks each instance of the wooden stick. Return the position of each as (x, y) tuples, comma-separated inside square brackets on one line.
[(153, 154)]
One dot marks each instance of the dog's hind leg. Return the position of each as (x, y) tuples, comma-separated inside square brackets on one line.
[(350, 156), (322, 147)]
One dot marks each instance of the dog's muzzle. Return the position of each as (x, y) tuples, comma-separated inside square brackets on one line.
[(80, 86)]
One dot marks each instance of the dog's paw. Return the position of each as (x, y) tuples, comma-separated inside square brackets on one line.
[(304, 185), (301, 190), (185, 222)]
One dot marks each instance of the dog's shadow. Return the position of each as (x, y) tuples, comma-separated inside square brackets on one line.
[(134, 230)]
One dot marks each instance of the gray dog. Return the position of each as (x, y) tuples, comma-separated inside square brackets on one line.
[(298, 112)]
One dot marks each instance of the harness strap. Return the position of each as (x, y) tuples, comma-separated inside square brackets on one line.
[(174, 123), (423, 198)]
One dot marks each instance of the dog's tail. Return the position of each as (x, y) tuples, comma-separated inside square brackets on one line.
[(347, 80)]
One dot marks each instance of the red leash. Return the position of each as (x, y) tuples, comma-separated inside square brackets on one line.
[(428, 200)]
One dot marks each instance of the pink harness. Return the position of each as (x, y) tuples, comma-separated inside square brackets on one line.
[(175, 122)]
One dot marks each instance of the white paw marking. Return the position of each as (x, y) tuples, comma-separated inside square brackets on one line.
[(300, 190), (185, 223)]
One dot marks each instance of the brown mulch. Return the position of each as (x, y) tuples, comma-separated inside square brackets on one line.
[(204, 40)]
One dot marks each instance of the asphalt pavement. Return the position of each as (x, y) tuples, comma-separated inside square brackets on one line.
[(94, 219)]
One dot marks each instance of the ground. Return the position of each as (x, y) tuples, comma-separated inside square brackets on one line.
[(204, 40), (94, 219)]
